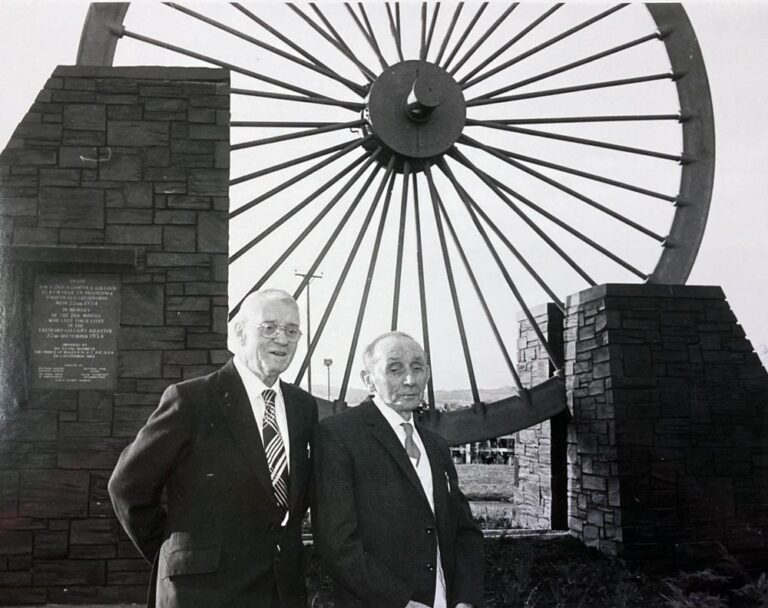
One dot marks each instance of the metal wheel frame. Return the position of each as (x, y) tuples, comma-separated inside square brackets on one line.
[(103, 27)]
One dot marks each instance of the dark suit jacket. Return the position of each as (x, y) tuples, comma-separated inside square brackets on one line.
[(373, 527), (219, 541)]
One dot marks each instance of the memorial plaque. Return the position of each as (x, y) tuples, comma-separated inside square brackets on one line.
[(75, 320)]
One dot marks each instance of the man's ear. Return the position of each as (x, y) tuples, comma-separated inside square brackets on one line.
[(429, 373), (239, 333), (366, 378)]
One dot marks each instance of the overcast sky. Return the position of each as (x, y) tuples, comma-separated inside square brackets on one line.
[(37, 36)]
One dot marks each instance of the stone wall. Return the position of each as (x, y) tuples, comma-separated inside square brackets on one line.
[(540, 493), (110, 161), (668, 446)]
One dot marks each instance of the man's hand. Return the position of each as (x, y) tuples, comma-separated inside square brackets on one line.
[(413, 604), (463, 605)]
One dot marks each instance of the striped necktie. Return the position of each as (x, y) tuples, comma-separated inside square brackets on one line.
[(275, 451)]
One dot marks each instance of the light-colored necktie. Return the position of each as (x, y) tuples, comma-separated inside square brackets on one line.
[(410, 445), (275, 451)]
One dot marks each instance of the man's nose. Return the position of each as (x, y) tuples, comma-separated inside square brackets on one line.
[(409, 379)]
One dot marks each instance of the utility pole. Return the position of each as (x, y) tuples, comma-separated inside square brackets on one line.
[(309, 327), (328, 363)]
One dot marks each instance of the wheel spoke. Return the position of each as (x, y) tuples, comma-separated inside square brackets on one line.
[(395, 29), (425, 48), (486, 179), (293, 180), (312, 225), (508, 244), (335, 41), (575, 140), (314, 66), (290, 163), (515, 39), (574, 89), (357, 88), (342, 277), (278, 138), (268, 124), (571, 66), (294, 210), (367, 287), (400, 244), (593, 176), (562, 187), (463, 37), (422, 289), (323, 101), (473, 279), (544, 45), (435, 196), (337, 231), (449, 33), (585, 119), (483, 38), (564, 225), (366, 34), (250, 73)]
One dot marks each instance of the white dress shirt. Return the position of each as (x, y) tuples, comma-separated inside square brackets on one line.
[(424, 472), (253, 388)]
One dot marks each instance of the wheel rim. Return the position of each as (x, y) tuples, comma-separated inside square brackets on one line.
[(457, 44)]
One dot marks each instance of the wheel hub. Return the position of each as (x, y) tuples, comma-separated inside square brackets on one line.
[(416, 110)]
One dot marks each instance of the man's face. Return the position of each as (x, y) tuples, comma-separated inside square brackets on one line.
[(268, 357), (398, 373)]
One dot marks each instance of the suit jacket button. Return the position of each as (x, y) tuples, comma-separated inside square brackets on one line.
[(430, 568), (429, 530)]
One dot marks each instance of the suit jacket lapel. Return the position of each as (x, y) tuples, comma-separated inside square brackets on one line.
[(383, 432), (297, 440), (239, 415)]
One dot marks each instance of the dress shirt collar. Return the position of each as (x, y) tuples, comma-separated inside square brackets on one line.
[(253, 384), (394, 419)]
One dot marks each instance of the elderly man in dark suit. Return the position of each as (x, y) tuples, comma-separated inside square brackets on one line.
[(391, 525), (231, 451)]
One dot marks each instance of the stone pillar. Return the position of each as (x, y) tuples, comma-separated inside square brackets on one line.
[(540, 496), (125, 171), (668, 445)]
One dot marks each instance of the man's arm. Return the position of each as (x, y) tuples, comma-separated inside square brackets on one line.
[(136, 485), (335, 528)]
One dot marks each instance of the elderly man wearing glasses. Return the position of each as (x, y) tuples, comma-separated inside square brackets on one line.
[(231, 452)]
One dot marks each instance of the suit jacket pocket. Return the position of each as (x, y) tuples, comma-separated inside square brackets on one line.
[(190, 561)]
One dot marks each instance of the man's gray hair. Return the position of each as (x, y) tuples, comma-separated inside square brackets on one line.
[(368, 351), (247, 305)]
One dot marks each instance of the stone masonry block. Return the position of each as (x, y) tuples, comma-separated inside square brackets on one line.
[(94, 406), (179, 238), (133, 235), (89, 117), (53, 493), (9, 493), (212, 232), (56, 573), (29, 425), (139, 364), (142, 305), (122, 166), (71, 208), (137, 133), (89, 454)]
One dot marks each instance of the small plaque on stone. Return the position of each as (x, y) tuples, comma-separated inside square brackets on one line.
[(75, 320)]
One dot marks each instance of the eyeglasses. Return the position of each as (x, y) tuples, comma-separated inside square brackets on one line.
[(271, 330)]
